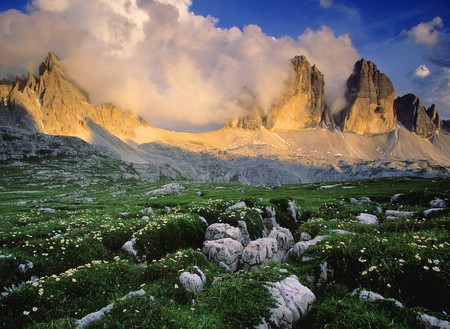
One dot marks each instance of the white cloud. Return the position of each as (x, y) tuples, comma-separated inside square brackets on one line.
[(422, 71), (162, 61), (435, 89), (326, 3), (426, 33)]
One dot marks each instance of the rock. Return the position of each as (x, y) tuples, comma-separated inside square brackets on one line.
[(360, 200), (203, 221), (341, 232), (227, 251), (145, 218), (132, 294), (285, 241), (294, 301), (434, 116), (370, 296), (367, 218), (395, 197), (437, 203), (47, 210), (147, 211), (94, 316), (167, 210), (193, 282), (303, 103), (431, 322), (370, 98), (171, 188), (259, 251), (129, 247), (218, 231), (23, 268), (305, 236), (245, 236), (393, 214), (237, 206), (413, 116), (292, 209), (300, 247)]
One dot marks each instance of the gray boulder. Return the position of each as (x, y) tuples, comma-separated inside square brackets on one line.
[(226, 251)]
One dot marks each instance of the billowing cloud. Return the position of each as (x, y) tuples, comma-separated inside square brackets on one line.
[(160, 60), (422, 71), (426, 33)]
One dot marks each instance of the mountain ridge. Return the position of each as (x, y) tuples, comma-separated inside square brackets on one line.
[(309, 150)]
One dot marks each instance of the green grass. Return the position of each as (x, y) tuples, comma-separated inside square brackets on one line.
[(79, 267)]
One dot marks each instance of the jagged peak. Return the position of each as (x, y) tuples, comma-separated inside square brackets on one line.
[(51, 62)]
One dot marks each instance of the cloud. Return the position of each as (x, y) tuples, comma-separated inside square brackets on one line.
[(160, 60), (422, 71), (326, 3), (426, 33), (432, 88)]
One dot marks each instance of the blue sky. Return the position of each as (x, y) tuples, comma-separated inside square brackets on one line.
[(408, 40)]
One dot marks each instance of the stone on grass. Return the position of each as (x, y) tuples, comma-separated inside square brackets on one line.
[(294, 301), (360, 200), (305, 236), (128, 247), (367, 218), (94, 316), (236, 206), (245, 236), (259, 251), (284, 238), (431, 322), (147, 211), (203, 221), (171, 188), (227, 251), (437, 203), (370, 296), (292, 209), (218, 231), (193, 282), (395, 197), (300, 247), (394, 214), (47, 210)]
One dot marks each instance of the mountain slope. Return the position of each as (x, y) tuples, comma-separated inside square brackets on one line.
[(52, 104)]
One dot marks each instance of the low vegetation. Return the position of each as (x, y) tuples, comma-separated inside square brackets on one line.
[(63, 225)]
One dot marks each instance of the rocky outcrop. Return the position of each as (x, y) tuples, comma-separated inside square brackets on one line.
[(53, 104), (303, 103), (370, 99), (412, 114), (293, 300), (434, 116)]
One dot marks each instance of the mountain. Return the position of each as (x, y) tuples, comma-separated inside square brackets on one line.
[(415, 117), (370, 98), (288, 144)]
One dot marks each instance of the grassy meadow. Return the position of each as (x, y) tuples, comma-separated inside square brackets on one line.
[(63, 222)]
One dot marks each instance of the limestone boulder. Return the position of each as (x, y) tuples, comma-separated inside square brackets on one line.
[(294, 301), (226, 251)]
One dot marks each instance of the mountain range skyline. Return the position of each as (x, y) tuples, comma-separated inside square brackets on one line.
[(166, 59)]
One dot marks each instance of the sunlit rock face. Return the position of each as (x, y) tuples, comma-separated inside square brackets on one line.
[(412, 114), (303, 103), (370, 98), (53, 104)]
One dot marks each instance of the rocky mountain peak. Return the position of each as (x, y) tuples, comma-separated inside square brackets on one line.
[(370, 101), (434, 115), (412, 114), (50, 63), (303, 103)]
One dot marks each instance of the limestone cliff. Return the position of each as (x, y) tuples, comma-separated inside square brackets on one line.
[(434, 116), (412, 114), (303, 104), (53, 104), (370, 101)]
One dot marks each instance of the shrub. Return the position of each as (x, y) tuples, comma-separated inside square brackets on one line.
[(167, 234)]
